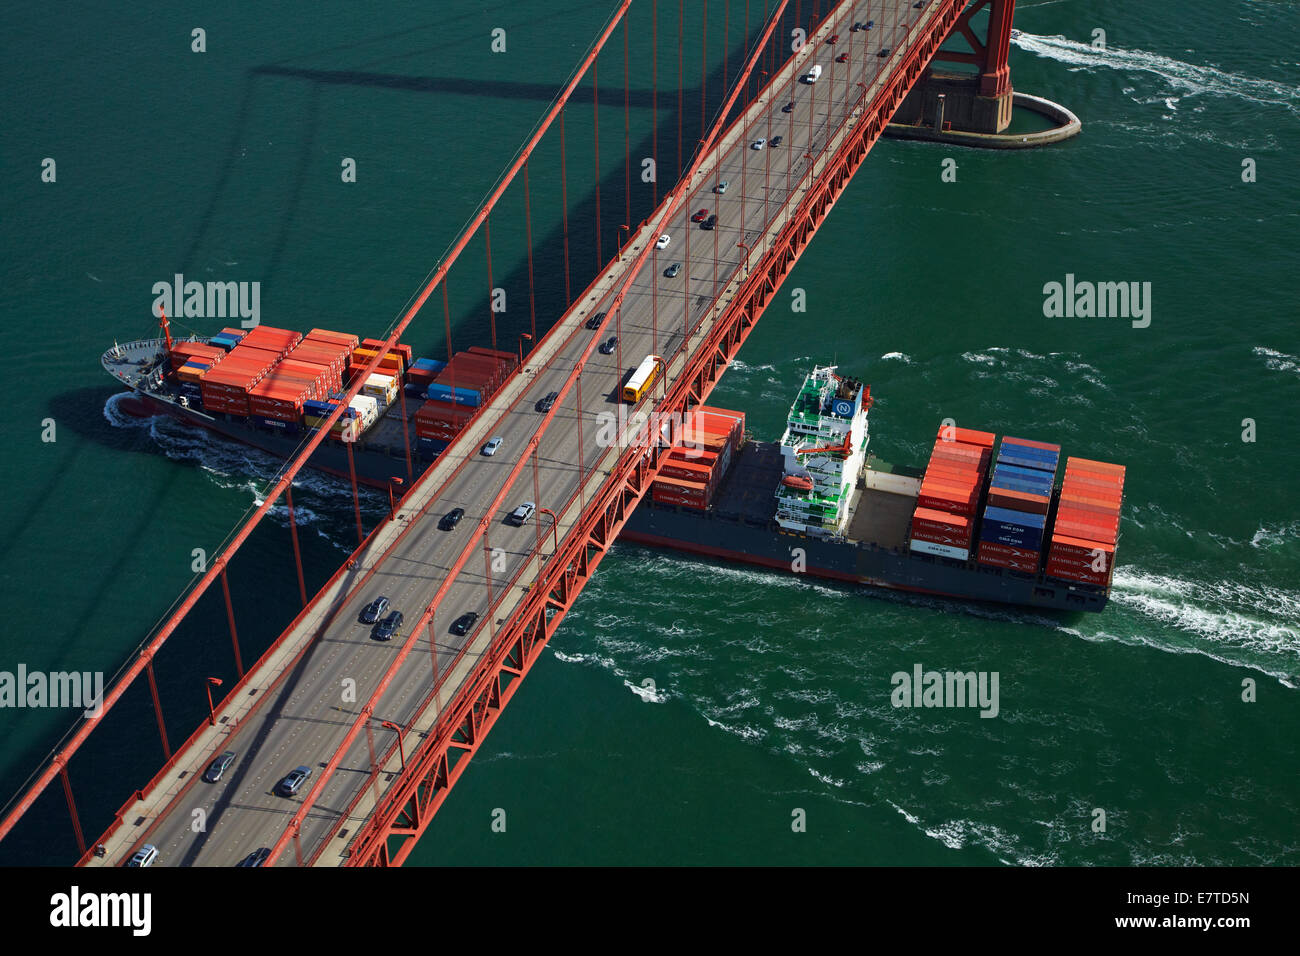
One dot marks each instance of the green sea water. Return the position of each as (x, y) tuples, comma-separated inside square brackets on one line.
[(687, 711)]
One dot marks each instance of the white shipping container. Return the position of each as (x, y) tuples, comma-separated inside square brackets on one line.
[(367, 407), (943, 550)]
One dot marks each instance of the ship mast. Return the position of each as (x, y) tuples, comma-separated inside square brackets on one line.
[(167, 332)]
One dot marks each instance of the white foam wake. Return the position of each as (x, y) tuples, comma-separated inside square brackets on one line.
[(1184, 78)]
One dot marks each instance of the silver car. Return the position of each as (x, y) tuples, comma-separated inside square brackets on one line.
[(522, 513), (147, 855), (491, 447)]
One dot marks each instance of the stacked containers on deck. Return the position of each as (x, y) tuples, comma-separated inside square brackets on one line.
[(403, 351), (1086, 528), (341, 340), (697, 462), (184, 352), (393, 363), (943, 520), (382, 388), (422, 373), (224, 388), (277, 401), (456, 390), (227, 389), (1015, 513), (271, 339)]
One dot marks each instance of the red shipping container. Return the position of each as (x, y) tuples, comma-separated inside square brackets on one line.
[(949, 538), (966, 436), (404, 351), (1095, 506), (1006, 551), (1069, 546), (1056, 569), (1068, 512), (995, 560), (1097, 477), (337, 338), (1103, 466), (940, 520), (1018, 501), (958, 450), (946, 501)]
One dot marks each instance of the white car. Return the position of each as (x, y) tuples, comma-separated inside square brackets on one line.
[(491, 447), (663, 241), (758, 144), (521, 514)]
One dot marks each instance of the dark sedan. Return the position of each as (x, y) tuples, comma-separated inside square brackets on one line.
[(389, 628), (464, 623)]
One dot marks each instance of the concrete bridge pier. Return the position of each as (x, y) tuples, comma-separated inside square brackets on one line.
[(974, 107)]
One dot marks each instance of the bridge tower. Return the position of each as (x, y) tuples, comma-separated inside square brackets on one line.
[(966, 101)]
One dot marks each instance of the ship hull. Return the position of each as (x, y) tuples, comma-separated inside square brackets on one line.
[(739, 540), (374, 468)]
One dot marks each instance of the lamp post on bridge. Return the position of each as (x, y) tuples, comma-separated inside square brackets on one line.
[(555, 534), (393, 499), (522, 336), (212, 711), (401, 749), (628, 229), (741, 245)]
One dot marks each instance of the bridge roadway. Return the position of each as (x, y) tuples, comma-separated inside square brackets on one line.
[(295, 712)]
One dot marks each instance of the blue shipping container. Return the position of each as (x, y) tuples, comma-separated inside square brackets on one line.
[(1004, 484), (1021, 451), (1052, 453), (1029, 540), (1014, 520), (457, 396), (1017, 461), (1026, 476), (429, 365)]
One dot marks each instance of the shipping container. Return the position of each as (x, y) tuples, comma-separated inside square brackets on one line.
[(1102, 466), (1040, 445), (458, 396), (1013, 500), (966, 436), (1018, 529), (942, 550)]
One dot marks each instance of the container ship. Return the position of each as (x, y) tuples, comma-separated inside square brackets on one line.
[(274, 388), (983, 520)]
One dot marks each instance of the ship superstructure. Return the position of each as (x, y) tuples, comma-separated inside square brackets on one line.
[(822, 453)]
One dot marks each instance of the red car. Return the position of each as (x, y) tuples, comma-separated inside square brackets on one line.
[(842, 58), (835, 38), (700, 215)]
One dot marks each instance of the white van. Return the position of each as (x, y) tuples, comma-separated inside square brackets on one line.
[(811, 75)]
